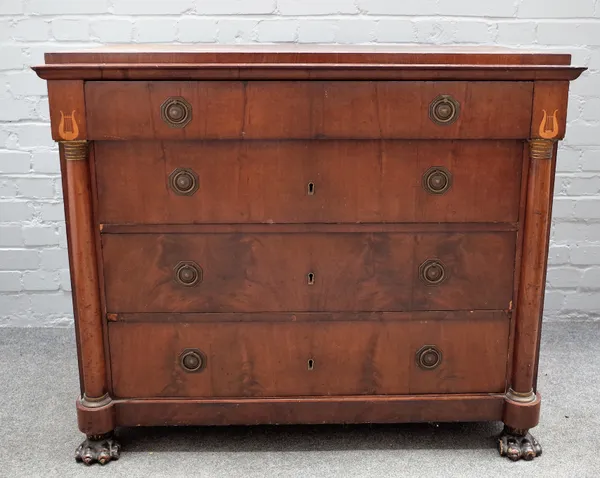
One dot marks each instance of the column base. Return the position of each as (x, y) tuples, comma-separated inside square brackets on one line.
[(95, 416), (521, 410)]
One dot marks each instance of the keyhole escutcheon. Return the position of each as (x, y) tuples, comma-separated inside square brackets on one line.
[(311, 364), (310, 278), (311, 188)]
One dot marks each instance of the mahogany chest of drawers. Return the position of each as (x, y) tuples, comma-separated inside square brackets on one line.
[(275, 235)]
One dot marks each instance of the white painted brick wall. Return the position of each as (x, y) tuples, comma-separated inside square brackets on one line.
[(34, 277)]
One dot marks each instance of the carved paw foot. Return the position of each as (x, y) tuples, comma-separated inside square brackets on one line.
[(98, 449), (517, 444)]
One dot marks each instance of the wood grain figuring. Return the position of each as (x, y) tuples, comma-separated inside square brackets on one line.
[(98, 242), (522, 415), (270, 359), (65, 187), (550, 97), (222, 317), (307, 109), (268, 272), (97, 420), (533, 274), (306, 71), (84, 272), (250, 228), (519, 255), (538, 213), (268, 181), (284, 63), (317, 410), (286, 185), (299, 54), (66, 98)]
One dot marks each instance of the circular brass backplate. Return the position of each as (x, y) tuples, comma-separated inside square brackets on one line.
[(192, 360), (188, 273), (437, 180), (432, 272), (176, 112), (429, 357), (183, 181), (444, 110)]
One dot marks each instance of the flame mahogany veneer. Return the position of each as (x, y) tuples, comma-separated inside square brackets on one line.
[(307, 235)]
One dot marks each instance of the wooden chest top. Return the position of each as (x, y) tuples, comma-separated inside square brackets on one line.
[(292, 61)]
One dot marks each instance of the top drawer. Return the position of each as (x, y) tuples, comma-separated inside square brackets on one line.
[(307, 109)]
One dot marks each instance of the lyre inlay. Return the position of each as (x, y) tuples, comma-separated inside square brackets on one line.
[(68, 128), (549, 125)]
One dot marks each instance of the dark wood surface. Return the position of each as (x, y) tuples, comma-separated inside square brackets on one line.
[(522, 415), (550, 97), (299, 54), (317, 410), (265, 123), (307, 71), (84, 274), (119, 110), (268, 272), (319, 317), (271, 359), (538, 214), (253, 62), (66, 97), (250, 228), (268, 181)]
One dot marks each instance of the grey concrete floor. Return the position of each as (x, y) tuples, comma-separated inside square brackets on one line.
[(38, 430)]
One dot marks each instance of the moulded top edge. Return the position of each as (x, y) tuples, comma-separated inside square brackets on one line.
[(259, 54)]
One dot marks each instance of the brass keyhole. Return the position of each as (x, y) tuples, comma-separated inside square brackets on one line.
[(311, 278), (311, 364), (311, 188)]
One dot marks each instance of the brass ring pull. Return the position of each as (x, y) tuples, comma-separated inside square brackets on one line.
[(437, 180), (176, 112), (188, 273), (429, 357), (183, 181), (432, 272), (444, 110), (192, 360)]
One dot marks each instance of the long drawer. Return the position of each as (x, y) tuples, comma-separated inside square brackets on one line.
[(307, 109), (308, 181), (308, 271), (263, 359)]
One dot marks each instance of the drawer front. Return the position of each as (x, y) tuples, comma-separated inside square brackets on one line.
[(308, 181), (307, 109), (307, 272), (299, 359)]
